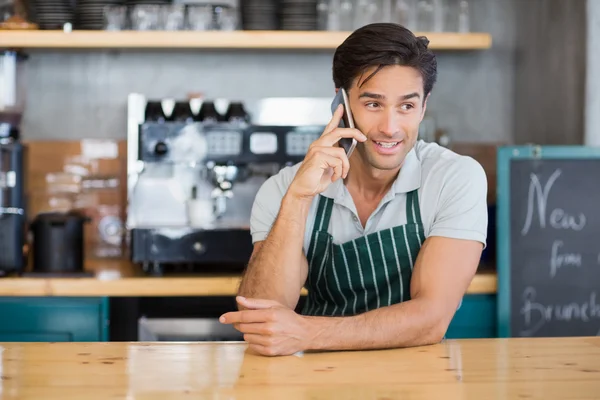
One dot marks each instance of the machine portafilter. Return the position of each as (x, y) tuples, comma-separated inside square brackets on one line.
[(222, 176)]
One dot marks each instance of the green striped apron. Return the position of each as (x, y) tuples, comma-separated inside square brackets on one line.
[(363, 274)]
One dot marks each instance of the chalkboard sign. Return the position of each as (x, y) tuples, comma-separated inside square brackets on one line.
[(548, 241)]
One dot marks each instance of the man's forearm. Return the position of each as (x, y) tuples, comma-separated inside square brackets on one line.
[(278, 270), (411, 323)]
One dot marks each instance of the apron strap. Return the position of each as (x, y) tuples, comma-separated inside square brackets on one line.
[(413, 211), (321, 223)]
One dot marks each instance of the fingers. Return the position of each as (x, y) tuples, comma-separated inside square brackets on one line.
[(332, 157), (258, 310), (247, 316), (265, 329), (329, 161), (335, 119), (334, 136), (258, 339), (257, 304), (263, 350)]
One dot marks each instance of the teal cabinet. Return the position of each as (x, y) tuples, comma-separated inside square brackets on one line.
[(53, 319), (476, 318)]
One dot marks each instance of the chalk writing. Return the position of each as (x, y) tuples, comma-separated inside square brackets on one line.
[(538, 196), (559, 260), (536, 315), (560, 220)]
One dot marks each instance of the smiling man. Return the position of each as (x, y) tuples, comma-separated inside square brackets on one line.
[(387, 241)]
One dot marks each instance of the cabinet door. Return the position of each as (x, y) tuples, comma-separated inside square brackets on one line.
[(53, 319), (476, 318), (21, 336)]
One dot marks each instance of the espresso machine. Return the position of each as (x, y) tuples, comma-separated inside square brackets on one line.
[(193, 173)]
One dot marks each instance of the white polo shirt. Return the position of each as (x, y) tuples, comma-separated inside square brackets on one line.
[(452, 193)]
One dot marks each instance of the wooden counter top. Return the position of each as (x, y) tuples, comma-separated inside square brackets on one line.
[(457, 369), (120, 278)]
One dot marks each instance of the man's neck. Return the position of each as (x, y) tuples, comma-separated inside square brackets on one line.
[(368, 182)]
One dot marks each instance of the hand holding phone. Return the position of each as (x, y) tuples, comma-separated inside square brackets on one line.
[(325, 162), (348, 144)]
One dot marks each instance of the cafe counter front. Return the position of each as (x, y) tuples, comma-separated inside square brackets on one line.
[(109, 305)]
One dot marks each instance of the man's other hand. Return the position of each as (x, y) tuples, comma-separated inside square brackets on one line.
[(270, 328)]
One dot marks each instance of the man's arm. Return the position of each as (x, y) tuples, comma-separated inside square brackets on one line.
[(442, 274), (278, 268)]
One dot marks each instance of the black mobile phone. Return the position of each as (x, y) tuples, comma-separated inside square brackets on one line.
[(348, 144)]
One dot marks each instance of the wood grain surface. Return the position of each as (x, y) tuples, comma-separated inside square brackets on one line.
[(553, 368)]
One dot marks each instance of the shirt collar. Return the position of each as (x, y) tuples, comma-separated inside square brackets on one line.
[(408, 179)]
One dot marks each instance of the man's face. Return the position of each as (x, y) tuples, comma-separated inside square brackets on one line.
[(388, 108)]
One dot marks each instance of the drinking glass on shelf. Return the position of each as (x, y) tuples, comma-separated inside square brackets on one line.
[(439, 15), (323, 15), (425, 16), (145, 17), (404, 13), (115, 18), (346, 15), (451, 16), (367, 12), (200, 18), (6, 10), (385, 14), (172, 17), (226, 18), (464, 24), (456, 16), (329, 14)]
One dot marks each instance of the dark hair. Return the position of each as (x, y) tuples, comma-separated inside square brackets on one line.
[(381, 45)]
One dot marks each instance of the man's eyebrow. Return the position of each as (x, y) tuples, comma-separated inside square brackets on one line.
[(410, 96), (377, 96), (372, 96)]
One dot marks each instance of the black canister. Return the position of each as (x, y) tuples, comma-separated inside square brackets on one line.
[(58, 242), (12, 209)]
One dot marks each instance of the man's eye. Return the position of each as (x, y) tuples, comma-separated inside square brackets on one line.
[(372, 105), (407, 107)]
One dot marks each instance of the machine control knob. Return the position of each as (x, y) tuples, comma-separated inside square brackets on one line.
[(160, 149), (199, 248)]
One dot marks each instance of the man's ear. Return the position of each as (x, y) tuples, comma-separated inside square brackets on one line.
[(337, 90)]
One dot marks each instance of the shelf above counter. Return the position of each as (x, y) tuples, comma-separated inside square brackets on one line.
[(292, 40)]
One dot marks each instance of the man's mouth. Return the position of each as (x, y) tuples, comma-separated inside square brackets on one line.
[(387, 145)]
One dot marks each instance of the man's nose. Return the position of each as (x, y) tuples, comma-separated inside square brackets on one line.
[(389, 124)]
